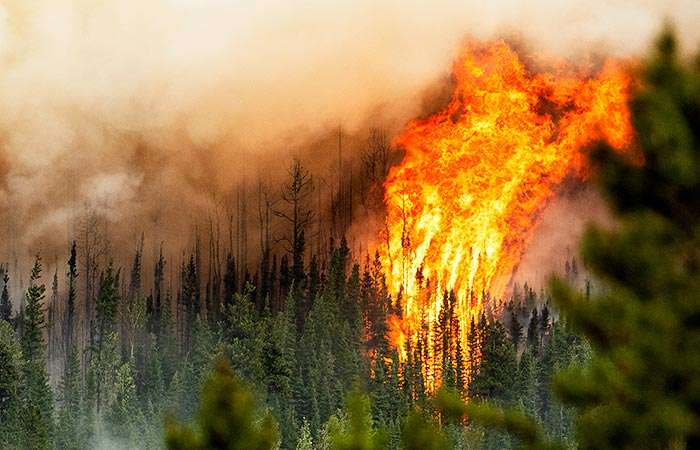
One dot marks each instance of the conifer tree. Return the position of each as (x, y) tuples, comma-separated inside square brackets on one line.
[(5, 304), (11, 384), (640, 389), (494, 378), (533, 330), (37, 398), (68, 436), (359, 433), (104, 352), (228, 418), (305, 441), (123, 408)]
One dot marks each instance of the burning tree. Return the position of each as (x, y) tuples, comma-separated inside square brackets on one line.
[(640, 389), (464, 202)]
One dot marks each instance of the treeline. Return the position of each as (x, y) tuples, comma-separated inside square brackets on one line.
[(303, 336)]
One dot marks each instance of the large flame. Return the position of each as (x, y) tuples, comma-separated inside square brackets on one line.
[(463, 203)]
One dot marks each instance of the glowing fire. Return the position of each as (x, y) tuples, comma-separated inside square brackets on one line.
[(463, 204)]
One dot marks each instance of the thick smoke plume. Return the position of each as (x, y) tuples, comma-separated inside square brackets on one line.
[(151, 113)]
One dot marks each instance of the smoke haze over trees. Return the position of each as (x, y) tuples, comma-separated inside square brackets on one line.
[(145, 112), (189, 194)]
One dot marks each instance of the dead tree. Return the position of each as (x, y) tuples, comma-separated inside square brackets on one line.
[(375, 166), (296, 195)]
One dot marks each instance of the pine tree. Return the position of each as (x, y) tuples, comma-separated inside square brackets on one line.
[(11, 384), (68, 436), (37, 398), (516, 330), (358, 434), (5, 303), (279, 363), (305, 441), (105, 354), (533, 330), (639, 389), (494, 378), (191, 300), (69, 319), (228, 418), (123, 408)]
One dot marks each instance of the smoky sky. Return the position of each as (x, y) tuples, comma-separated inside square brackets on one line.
[(150, 111)]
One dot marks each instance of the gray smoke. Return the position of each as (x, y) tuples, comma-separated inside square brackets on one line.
[(151, 112)]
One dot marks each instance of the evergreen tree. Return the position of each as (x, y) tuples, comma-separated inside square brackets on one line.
[(228, 418), (5, 303), (68, 436), (358, 434), (494, 378), (305, 441), (640, 389), (533, 330), (11, 384), (69, 319), (37, 414), (123, 408), (516, 330), (279, 363), (105, 355)]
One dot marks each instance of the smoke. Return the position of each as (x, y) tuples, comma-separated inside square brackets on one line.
[(151, 112), (557, 235)]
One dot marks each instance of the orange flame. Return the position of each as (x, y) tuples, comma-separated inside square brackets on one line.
[(463, 203)]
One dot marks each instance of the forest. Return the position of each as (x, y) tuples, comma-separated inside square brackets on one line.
[(209, 349)]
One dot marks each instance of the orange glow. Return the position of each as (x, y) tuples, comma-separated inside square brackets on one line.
[(463, 203)]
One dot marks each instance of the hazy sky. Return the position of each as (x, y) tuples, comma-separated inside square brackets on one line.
[(106, 102)]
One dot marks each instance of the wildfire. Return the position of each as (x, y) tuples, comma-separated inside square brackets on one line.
[(463, 203)]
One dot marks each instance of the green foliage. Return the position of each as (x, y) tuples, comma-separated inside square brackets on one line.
[(640, 389), (303, 338), (11, 373), (305, 442), (494, 378), (228, 418), (37, 413), (358, 433), (123, 407), (5, 304), (516, 422), (421, 433), (68, 436)]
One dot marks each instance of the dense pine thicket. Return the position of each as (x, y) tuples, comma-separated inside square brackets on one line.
[(306, 337), (303, 337), (126, 355)]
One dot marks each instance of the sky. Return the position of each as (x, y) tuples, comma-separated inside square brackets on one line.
[(150, 110)]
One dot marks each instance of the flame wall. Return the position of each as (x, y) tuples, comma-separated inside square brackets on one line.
[(463, 204)]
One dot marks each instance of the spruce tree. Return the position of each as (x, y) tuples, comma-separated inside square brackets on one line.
[(104, 352), (640, 389), (37, 398), (228, 418), (305, 441), (11, 385), (123, 409), (494, 379), (69, 417), (5, 303)]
